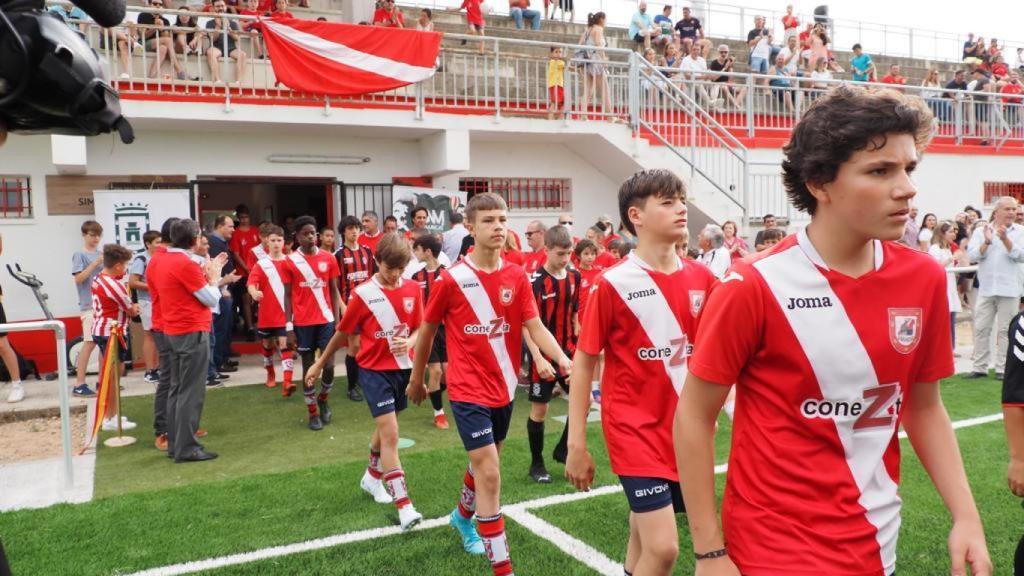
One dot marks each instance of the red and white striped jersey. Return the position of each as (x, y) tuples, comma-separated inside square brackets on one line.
[(821, 363), (379, 315), (110, 303)]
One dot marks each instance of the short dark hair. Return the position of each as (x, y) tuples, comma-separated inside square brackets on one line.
[(391, 219), (221, 219), (767, 216), (553, 48), (303, 221), (773, 234), (428, 242), (150, 236), (265, 228), (557, 237), (114, 254), (582, 246), (428, 12), (184, 233), (419, 208), (241, 209), (857, 46), (846, 120), (92, 227), (642, 185), (620, 246), (418, 232), (347, 222), (456, 218), (370, 214), (165, 230), (393, 251), (272, 230), (484, 201)]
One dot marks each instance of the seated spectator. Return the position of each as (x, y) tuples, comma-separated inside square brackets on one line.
[(281, 10), (979, 87), (224, 34), (254, 27), (425, 21), (664, 22), (158, 41), (520, 9), (894, 77), (233, 6), (689, 27), (1019, 62), (641, 27), (724, 63), (760, 42), (672, 59), (805, 41), (957, 83), (693, 66), (931, 91), (999, 68), (970, 49), (994, 49), (124, 40), (819, 78), (781, 83), (188, 39), (861, 65), (389, 16), (1011, 104), (791, 53), (72, 15)]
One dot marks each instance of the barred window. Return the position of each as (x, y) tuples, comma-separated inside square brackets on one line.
[(15, 197), (524, 193), (995, 190)]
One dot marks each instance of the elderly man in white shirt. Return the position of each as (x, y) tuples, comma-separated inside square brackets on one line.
[(998, 248), (451, 240), (714, 254)]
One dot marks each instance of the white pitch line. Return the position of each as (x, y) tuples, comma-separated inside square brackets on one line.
[(518, 512)]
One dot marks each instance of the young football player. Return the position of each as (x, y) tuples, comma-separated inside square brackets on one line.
[(833, 338), (111, 305), (426, 249), (586, 252), (642, 313), (489, 301), (556, 289), (385, 312), (272, 276), (356, 265)]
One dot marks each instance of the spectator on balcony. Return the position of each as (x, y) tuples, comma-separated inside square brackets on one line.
[(474, 19), (790, 24), (791, 54), (782, 83), (804, 38), (894, 77), (976, 54), (641, 28), (664, 22), (233, 6), (931, 91), (971, 49), (188, 39), (425, 21), (556, 83), (159, 41), (520, 9), (819, 46), (723, 83), (689, 27), (820, 77), (389, 16), (999, 68), (957, 83), (994, 49), (693, 66), (72, 15), (124, 42), (1011, 104), (979, 87), (594, 60), (281, 10), (672, 59), (760, 42), (861, 65), (566, 6), (224, 34), (252, 8)]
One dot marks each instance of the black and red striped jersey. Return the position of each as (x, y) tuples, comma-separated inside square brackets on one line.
[(357, 266), (558, 300), (426, 280)]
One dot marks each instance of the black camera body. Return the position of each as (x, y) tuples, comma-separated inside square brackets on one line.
[(51, 80)]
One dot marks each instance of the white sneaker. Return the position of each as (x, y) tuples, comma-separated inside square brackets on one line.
[(17, 393), (409, 517), (124, 76), (110, 424), (375, 488)]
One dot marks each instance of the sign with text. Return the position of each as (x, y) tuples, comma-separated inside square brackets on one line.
[(440, 205), (127, 214)]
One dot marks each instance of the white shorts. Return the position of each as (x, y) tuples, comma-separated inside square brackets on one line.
[(146, 314), (87, 321)]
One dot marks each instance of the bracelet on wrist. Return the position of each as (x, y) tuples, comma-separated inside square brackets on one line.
[(711, 555)]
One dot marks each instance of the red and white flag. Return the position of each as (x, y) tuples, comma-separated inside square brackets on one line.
[(346, 59)]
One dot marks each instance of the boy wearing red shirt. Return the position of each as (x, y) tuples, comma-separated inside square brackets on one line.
[(488, 303), (385, 312), (585, 252), (556, 289), (833, 339), (474, 19), (112, 304), (314, 275), (356, 265), (271, 276), (243, 239), (642, 314)]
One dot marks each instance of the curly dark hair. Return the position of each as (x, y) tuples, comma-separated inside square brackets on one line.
[(845, 121)]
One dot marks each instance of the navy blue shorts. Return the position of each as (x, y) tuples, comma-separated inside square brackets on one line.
[(479, 425), (439, 350), (650, 494), (384, 390), (309, 338), (268, 333), (542, 390)]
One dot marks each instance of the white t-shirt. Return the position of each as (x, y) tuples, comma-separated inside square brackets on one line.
[(823, 75), (763, 49), (415, 265), (925, 235), (792, 66), (945, 257), (693, 65)]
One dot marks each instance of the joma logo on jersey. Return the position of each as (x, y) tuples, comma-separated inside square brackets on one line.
[(652, 491), (795, 303), (495, 329), (676, 352), (641, 294), (878, 409), (373, 301)]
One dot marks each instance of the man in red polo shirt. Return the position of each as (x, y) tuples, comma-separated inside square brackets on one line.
[(389, 16)]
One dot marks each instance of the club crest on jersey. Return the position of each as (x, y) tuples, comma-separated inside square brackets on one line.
[(905, 329), (507, 295), (321, 266), (408, 303), (696, 301)]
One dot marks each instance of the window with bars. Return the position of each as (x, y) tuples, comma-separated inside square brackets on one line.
[(15, 197), (524, 193), (995, 190)]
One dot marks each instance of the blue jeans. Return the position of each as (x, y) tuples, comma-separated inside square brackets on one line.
[(532, 15), (222, 324)]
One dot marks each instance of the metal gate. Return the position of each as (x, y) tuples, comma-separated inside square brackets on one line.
[(358, 198)]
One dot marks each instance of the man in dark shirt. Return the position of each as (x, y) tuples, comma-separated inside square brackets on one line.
[(223, 229), (979, 88), (221, 46), (689, 27), (159, 43), (944, 107), (724, 63)]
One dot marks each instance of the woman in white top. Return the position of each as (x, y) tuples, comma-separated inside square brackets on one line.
[(819, 76), (425, 22), (941, 250), (924, 237)]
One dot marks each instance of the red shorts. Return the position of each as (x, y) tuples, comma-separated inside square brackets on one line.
[(556, 94)]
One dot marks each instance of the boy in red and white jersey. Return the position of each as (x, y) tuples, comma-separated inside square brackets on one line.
[(356, 265), (585, 253), (487, 303), (833, 338), (112, 304), (642, 314), (271, 276), (314, 273), (385, 312)]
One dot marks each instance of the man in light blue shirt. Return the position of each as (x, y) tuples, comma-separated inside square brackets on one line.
[(641, 28), (69, 12), (863, 67), (998, 248)]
